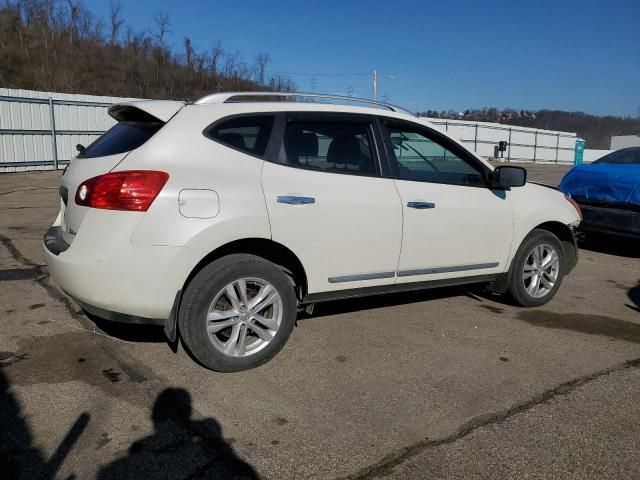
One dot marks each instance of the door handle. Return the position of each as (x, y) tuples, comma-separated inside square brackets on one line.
[(421, 205), (294, 200)]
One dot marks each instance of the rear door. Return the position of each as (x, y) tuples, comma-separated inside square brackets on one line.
[(454, 225), (328, 203)]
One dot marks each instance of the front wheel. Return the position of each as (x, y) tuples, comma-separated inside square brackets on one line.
[(237, 313), (537, 269)]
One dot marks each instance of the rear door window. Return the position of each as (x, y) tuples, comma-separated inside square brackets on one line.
[(249, 134), (330, 146), (122, 137)]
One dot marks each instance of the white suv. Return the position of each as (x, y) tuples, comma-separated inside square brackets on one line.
[(222, 218)]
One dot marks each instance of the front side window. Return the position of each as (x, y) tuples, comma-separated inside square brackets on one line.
[(330, 146), (422, 159), (122, 137), (249, 134)]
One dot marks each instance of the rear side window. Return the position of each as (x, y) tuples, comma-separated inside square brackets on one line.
[(122, 137), (248, 134), (330, 147)]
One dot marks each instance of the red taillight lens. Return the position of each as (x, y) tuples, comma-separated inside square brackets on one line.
[(575, 204), (133, 190)]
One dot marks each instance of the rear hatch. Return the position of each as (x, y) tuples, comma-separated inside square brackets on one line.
[(137, 123)]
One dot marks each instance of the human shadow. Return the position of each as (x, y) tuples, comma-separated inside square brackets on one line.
[(179, 447), (19, 456)]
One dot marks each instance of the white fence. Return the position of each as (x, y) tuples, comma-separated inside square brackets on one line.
[(39, 131), (523, 144)]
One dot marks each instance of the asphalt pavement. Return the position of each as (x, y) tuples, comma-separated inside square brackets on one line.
[(449, 383)]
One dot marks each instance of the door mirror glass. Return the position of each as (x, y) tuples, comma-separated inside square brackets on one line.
[(508, 176)]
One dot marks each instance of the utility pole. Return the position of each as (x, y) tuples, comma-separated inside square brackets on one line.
[(375, 79), (375, 84)]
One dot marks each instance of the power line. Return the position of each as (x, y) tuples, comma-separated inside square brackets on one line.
[(321, 74)]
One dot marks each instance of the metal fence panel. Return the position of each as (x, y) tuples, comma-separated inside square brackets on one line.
[(34, 125), (523, 143)]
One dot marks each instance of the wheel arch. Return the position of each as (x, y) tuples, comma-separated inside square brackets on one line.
[(569, 245), (568, 240), (268, 249)]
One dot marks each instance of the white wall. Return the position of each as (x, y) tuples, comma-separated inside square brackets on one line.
[(83, 123), (36, 145), (527, 144), (591, 155), (624, 141)]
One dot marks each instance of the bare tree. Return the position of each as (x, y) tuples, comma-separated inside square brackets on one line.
[(115, 17), (188, 52), (261, 64), (162, 22)]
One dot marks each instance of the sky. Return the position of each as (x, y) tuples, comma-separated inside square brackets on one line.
[(576, 55)]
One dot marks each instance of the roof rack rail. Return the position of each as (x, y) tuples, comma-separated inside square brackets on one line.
[(234, 97)]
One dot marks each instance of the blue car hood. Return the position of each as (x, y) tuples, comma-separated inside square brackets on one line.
[(604, 182)]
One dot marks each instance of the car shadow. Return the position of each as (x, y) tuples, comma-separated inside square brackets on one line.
[(611, 245), (476, 292), (129, 331), (634, 296)]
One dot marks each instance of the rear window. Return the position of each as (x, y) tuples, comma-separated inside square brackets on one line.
[(248, 134), (122, 137)]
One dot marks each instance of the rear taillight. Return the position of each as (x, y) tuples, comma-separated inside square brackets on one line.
[(575, 204), (133, 190)]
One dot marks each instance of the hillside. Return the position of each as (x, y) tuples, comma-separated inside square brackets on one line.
[(52, 45), (596, 130)]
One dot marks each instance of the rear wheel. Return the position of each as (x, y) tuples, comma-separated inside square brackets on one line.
[(237, 313), (537, 269)]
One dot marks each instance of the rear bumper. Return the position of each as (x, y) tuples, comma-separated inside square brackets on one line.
[(612, 221), (112, 278)]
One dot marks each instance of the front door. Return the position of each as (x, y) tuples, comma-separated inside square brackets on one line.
[(454, 225)]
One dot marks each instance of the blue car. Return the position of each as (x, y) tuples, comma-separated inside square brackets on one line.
[(608, 192)]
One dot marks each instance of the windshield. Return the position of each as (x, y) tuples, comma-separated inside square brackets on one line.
[(627, 156), (122, 137)]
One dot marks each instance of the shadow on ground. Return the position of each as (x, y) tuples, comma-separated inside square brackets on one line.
[(476, 292), (19, 457), (583, 323), (180, 447), (634, 296), (128, 331), (611, 245)]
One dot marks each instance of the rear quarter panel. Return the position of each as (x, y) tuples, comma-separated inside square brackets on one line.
[(196, 162)]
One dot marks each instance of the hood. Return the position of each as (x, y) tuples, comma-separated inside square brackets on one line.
[(604, 182)]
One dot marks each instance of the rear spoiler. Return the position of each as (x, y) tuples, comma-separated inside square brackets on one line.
[(145, 110)]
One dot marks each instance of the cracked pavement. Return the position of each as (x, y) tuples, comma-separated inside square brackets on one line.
[(448, 383)]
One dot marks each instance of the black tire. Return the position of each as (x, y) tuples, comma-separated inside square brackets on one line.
[(517, 288), (201, 292)]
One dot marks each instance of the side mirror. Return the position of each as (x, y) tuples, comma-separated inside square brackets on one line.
[(80, 148), (508, 176)]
